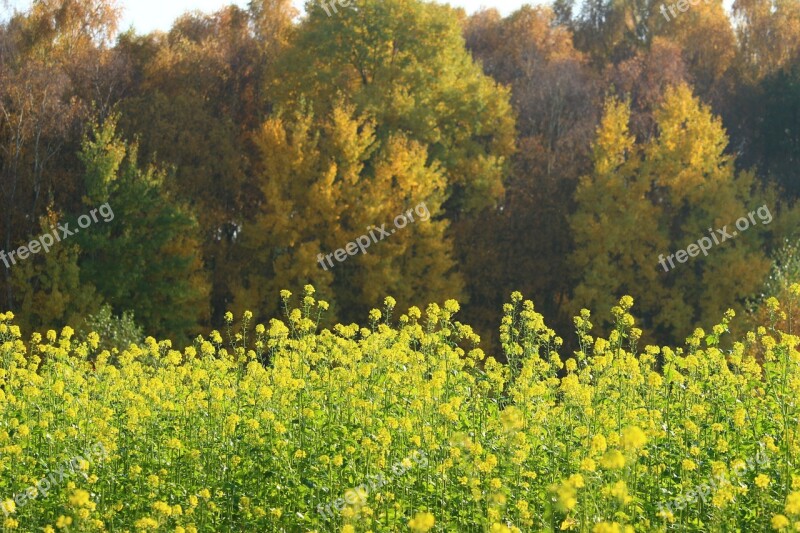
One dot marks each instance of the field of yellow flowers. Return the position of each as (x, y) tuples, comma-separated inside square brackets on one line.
[(402, 426)]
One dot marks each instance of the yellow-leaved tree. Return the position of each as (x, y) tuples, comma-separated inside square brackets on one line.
[(616, 228), (644, 203), (327, 182)]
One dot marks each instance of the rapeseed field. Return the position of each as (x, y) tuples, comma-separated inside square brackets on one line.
[(402, 425)]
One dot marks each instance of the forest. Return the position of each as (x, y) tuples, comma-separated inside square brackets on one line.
[(560, 151)]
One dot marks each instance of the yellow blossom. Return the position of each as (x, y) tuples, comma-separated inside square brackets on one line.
[(422, 522), (779, 522)]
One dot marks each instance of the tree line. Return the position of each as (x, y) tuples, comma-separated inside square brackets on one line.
[(559, 151)]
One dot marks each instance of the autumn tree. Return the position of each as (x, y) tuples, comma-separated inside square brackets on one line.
[(197, 97), (404, 63), (708, 44), (643, 81), (273, 23), (554, 93), (48, 289), (762, 115), (616, 227), (328, 182), (768, 33), (684, 185), (44, 52), (609, 31)]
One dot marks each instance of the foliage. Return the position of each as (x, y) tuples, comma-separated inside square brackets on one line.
[(645, 201), (527, 239), (145, 256), (48, 288), (708, 44), (769, 35), (493, 117), (784, 273), (404, 63), (117, 333), (785, 270), (777, 140), (325, 183), (196, 99), (617, 235), (211, 438)]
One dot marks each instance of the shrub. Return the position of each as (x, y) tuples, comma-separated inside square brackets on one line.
[(116, 332)]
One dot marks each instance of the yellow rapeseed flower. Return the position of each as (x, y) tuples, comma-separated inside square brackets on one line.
[(613, 459), (779, 522), (793, 504), (633, 438), (422, 522), (10, 506), (79, 498)]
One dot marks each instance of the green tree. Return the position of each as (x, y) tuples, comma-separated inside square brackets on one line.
[(48, 289), (143, 254), (55, 65), (116, 332), (776, 139), (199, 94), (404, 64)]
